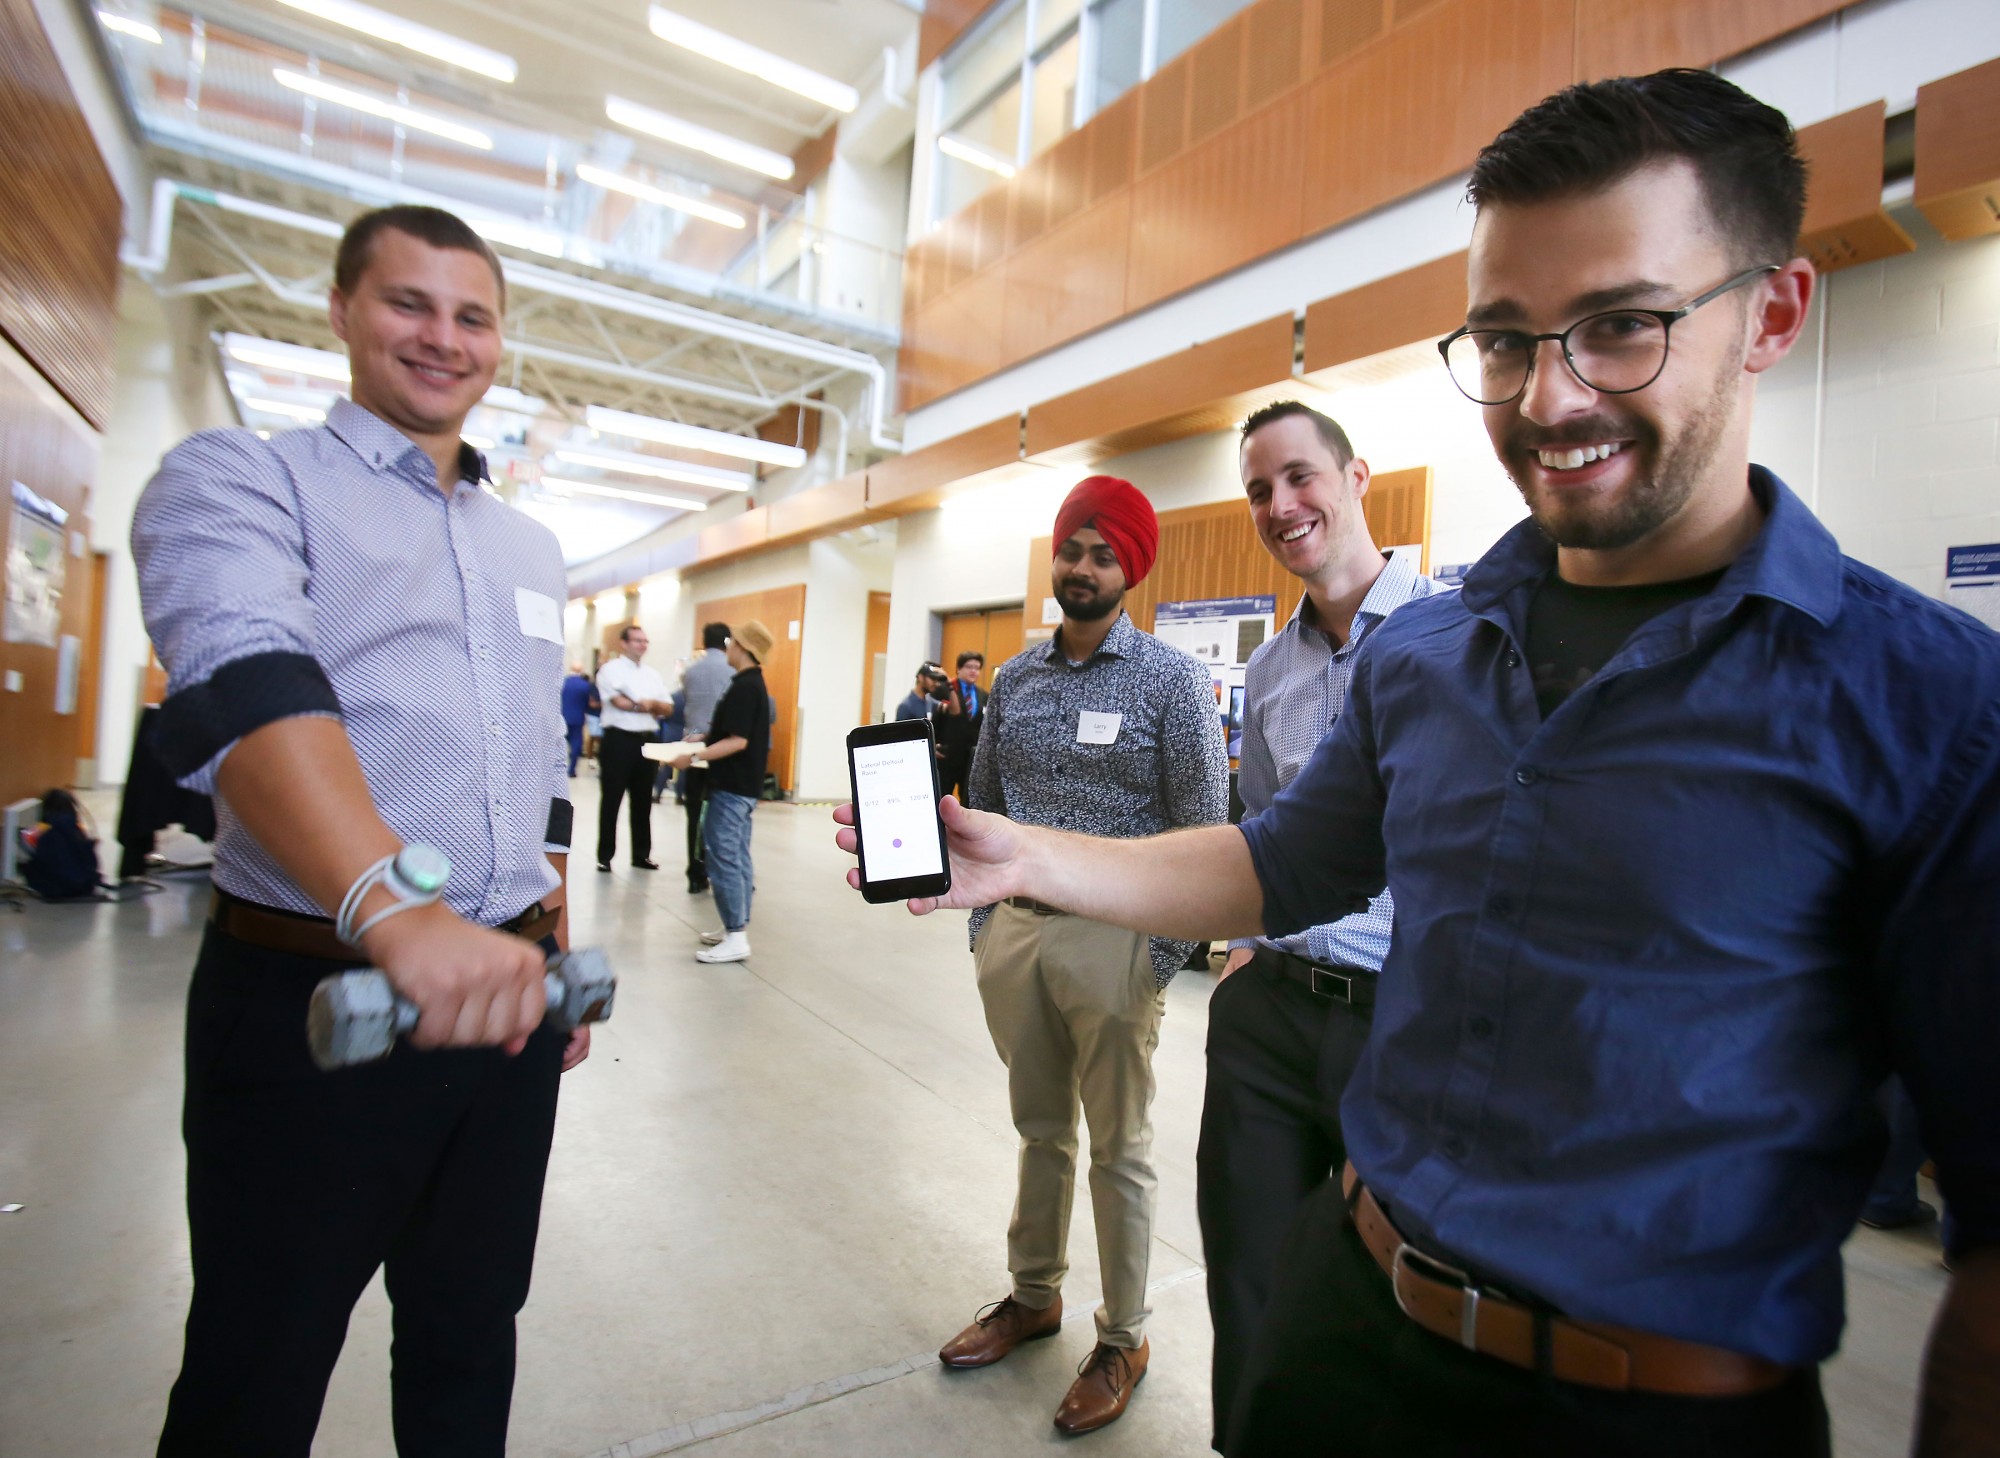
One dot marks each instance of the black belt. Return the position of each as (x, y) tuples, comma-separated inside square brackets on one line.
[(298, 935), (1351, 985)]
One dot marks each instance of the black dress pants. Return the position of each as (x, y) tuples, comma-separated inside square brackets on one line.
[(624, 773), (955, 772), (1279, 1058), (1338, 1370), (302, 1183), (692, 798)]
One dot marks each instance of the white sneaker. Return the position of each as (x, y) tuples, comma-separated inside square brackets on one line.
[(714, 938), (734, 947)]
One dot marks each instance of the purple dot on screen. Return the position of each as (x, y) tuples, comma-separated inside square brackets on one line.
[(897, 844)]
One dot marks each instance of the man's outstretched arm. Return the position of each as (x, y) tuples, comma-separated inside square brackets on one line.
[(1197, 885)]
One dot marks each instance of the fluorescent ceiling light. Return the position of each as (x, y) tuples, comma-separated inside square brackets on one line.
[(285, 408), (138, 30), (506, 397), (637, 465), (977, 156), (421, 121), (516, 234), (700, 139), (292, 359), (411, 36), (743, 56), (619, 182), (651, 498), (692, 437)]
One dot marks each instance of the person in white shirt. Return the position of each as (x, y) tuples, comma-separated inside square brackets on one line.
[(635, 699)]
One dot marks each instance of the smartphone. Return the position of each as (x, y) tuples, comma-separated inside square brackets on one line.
[(893, 771)]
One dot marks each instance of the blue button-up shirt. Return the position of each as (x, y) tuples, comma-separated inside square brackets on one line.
[(1655, 953), (1293, 692), (323, 572)]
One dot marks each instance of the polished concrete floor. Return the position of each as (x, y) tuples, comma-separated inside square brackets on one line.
[(776, 1188)]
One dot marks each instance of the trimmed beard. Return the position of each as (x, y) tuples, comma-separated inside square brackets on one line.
[(1100, 606), (1653, 499)]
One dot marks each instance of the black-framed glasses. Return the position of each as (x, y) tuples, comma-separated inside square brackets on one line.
[(1614, 353)]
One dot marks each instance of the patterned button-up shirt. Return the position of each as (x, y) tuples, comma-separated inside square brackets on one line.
[(1293, 693), (322, 572), (1166, 767)]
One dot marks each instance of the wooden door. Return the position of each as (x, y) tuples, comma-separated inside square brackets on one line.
[(993, 633), (874, 651), (91, 672), (783, 611)]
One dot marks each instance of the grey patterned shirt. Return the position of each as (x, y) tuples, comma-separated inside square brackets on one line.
[(1166, 766), (322, 572), (1293, 693)]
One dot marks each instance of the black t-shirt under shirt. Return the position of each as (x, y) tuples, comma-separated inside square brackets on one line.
[(1574, 631), (745, 709)]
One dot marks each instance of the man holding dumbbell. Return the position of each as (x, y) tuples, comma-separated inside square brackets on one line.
[(317, 597)]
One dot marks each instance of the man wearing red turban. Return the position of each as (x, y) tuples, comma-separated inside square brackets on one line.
[(1106, 731)]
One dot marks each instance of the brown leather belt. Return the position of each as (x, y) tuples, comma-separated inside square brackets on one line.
[(1039, 908), (1444, 1300), (312, 936)]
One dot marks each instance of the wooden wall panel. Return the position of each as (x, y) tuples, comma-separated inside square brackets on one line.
[(1274, 50), (777, 608), (1958, 152), (907, 482), (1844, 222), (1398, 509), (1633, 37), (1184, 394), (1344, 27), (59, 238), (1114, 147), (48, 449), (1419, 303), (735, 537), (962, 332), (822, 510), (1416, 107), (1222, 203), (1067, 282), (943, 23)]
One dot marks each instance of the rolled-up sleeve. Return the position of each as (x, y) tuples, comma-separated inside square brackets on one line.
[(1939, 971), (1318, 848), (222, 571)]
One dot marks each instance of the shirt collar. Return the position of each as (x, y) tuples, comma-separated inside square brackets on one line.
[(1118, 643), (1793, 559), (1395, 585), (381, 446)]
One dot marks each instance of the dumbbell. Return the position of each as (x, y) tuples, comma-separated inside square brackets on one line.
[(356, 1017)]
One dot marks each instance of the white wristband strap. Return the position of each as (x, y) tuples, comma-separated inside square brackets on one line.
[(414, 875)]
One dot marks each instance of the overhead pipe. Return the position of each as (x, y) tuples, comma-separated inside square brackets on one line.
[(536, 279)]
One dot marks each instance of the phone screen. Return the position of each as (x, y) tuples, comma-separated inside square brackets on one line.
[(897, 810)]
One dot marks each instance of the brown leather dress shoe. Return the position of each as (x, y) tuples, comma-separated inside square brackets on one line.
[(1102, 1388), (998, 1329)]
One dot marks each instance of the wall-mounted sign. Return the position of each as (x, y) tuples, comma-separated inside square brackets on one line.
[(1972, 581), (35, 568)]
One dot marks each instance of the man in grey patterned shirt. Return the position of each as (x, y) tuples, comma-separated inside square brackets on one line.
[(1290, 1017), (1107, 731)]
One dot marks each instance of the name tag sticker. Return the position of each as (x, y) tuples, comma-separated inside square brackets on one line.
[(540, 617), (1095, 728)]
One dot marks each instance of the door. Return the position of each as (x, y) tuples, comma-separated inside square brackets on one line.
[(783, 611), (875, 658)]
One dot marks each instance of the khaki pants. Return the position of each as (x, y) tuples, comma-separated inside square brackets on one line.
[(1073, 1012)]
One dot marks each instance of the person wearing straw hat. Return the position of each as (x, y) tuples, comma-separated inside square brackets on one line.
[(734, 754)]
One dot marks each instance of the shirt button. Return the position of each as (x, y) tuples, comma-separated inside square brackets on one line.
[(1501, 906), (1513, 658), (1525, 777), (494, 730), (1481, 1027)]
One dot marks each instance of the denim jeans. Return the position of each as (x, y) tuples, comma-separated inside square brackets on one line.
[(726, 838)]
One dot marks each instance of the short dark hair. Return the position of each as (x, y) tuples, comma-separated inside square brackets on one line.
[(1331, 435), (971, 656), (715, 635), (434, 226), (1595, 134), (625, 633)]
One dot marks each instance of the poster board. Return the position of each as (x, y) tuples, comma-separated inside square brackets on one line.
[(1972, 581), (1222, 633)]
